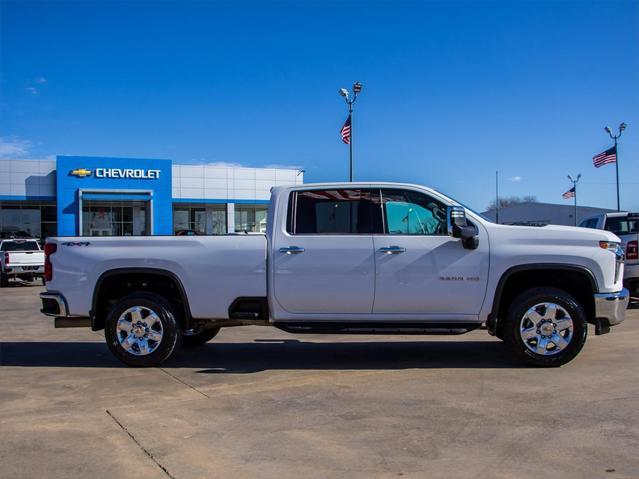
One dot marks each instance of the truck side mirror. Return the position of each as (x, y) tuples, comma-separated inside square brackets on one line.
[(458, 227)]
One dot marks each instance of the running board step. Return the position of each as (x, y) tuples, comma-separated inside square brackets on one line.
[(322, 327)]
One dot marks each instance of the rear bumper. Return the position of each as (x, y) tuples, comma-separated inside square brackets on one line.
[(23, 270), (612, 306), (54, 304)]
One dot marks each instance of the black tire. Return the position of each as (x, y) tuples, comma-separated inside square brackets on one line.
[(4, 280), (44, 282), (170, 330), (530, 298), (200, 338)]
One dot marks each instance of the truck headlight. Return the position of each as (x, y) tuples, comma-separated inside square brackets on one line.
[(611, 246)]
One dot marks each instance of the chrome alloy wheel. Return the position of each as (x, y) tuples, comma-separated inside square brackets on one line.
[(546, 329), (139, 330)]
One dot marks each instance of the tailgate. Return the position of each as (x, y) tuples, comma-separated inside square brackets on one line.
[(26, 258)]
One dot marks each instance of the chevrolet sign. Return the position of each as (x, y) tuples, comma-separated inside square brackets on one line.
[(130, 173), (80, 172)]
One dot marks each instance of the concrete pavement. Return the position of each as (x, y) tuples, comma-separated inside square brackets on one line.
[(257, 402)]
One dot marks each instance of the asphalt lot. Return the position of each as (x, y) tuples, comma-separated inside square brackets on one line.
[(256, 402)]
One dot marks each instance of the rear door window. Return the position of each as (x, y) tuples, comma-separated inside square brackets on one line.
[(339, 211)]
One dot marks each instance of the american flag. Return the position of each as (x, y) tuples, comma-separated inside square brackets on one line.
[(605, 157), (569, 194), (346, 131)]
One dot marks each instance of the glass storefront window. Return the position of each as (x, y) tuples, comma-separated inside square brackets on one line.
[(115, 218), (251, 218), (199, 219), (28, 219)]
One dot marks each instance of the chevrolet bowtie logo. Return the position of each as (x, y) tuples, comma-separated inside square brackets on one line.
[(80, 172)]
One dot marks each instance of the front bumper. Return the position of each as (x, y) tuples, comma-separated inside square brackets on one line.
[(612, 306)]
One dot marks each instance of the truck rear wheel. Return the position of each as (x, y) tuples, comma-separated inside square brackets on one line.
[(545, 327), (4, 280), (141, 330), (199, 338)]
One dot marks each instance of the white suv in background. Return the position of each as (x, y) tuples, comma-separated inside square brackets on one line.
[(626, 226)]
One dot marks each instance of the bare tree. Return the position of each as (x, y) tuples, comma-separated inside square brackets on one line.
[(512, 200)]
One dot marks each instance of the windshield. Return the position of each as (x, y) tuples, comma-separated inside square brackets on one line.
[(19, 246), (623, 225)]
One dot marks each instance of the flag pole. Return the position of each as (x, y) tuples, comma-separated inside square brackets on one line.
[(574, 182), (497, 196), (617, 170), (575, 203), (622, 127), (357, 88), (350, 145)]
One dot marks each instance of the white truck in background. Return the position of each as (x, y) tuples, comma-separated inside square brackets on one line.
[(21, 259), (370, 258), (626, 226)]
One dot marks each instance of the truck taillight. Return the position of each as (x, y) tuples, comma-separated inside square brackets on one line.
[(49, 249), (6, 258), (632, 250)]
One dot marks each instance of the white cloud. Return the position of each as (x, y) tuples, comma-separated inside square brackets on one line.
[(220, 164), (12, 147), (231, 164), (515, 179), (41, 80), (31, 89)]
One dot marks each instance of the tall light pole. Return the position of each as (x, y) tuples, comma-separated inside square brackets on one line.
[(497, 196), (574, 187), (622, 127), (357, 87)]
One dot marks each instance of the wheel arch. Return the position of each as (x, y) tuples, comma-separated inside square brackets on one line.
[(521, 277), (106, 278)]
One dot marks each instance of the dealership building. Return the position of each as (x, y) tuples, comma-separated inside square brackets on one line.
[(94, 196)]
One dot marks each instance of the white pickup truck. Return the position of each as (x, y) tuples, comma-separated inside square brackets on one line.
[(370, 258), (20, 258), (626, 226)]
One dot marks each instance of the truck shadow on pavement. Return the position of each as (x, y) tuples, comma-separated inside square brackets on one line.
[(276, 354)]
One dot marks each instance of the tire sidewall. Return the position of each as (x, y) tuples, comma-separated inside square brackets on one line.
[(545, 295), (170, 329)]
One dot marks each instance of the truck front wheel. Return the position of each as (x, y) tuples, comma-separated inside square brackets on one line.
[(545, 327), (141, 330)]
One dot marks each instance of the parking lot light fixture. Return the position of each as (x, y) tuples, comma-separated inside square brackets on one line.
[(357, 88), (622, 127)]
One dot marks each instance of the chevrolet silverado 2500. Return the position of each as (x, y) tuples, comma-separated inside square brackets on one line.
[(20, 258), (371, 258), (626, 226)]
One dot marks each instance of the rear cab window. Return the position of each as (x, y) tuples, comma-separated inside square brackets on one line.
[(623, 225), (19, 246)]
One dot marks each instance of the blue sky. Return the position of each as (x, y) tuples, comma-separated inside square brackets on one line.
[(452, 90)]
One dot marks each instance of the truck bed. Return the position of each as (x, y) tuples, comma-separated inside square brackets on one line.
[(214, 270)]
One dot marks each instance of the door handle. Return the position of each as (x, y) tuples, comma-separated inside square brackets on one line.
[(292, 250), (392, 250)]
